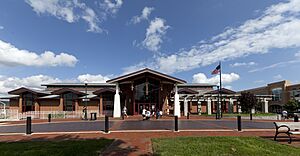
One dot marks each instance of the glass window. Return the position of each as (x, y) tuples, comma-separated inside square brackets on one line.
[(69, 101), (28, 102), (277, 94)]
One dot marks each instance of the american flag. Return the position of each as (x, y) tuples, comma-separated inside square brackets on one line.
[(217, 70)]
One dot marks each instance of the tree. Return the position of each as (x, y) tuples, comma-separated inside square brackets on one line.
[(291, 106), (247, 101)]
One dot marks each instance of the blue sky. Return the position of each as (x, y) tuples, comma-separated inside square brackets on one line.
[(75, 41)]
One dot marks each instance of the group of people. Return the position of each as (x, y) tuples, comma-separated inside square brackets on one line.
[(146, 113)]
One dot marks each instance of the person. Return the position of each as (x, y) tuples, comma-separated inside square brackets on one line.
[(284, 114), (125, 111), (84, 113), (157, 113), (148, 114), (160, 114), (144, 113)]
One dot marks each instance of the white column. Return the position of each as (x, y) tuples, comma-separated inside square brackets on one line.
[(185, 106), (176, 102), (230, 107), (239, 107), (199, 107), (117, 103), (209, 106), (266, 105)]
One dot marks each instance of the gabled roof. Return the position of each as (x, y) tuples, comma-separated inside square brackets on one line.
[(23, 89), (186, 91), (223, 91), (64, 90), (146, 70), (103, 90)]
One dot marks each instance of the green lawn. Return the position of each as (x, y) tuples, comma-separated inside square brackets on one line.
[(54, 148), (225, 146)]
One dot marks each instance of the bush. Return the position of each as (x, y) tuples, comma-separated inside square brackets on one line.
[(291, 106)]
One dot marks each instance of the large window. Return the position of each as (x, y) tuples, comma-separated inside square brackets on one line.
[(69, 101), (277, 94), (28, 102)]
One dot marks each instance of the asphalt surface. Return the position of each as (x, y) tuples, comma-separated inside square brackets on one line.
[(136, 125)]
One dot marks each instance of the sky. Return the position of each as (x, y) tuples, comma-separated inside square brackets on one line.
[(56, 41)]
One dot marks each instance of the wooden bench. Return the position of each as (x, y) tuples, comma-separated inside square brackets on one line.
[(289, 128)]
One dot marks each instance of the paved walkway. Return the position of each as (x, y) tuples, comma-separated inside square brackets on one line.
[(139, 143), (127, 125), (133, 137)]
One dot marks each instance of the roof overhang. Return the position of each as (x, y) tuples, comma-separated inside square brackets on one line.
[(104, 90), (21, 90), (143, 71), (64, 90)]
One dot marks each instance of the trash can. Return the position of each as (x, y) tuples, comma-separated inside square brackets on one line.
[(93, 116)]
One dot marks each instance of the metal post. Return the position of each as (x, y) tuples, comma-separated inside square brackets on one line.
[(250, 116), (188, 115), (106, 128), (176, 123), (296, 119), (85, 113), (239, 123), (28, 125), (49, 117)]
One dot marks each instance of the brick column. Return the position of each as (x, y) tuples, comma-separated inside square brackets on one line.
[(20, 103), (101, 106), (61, 104)]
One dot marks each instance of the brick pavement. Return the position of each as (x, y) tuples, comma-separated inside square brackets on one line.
[(139, 143)]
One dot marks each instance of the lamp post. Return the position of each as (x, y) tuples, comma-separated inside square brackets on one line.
[(85, 101)]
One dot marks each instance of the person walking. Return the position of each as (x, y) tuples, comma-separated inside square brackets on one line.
[(144, 113), (124, 111)]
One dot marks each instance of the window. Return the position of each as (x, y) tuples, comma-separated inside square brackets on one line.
[(69, 101), (28, 102), (277, 94)]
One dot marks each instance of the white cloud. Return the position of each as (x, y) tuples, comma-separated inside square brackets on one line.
[(34, 82), (238, 64), (70, 11), (112, 6), (277, 27), (1, 27), (155, 33), (275, 65), (12, 56), (277, 77), (92, 78), (226, 78), (297, 54), (144, 16), (259, 81)]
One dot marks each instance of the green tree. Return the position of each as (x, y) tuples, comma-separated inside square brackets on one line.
[(247, 101), (291, 106)]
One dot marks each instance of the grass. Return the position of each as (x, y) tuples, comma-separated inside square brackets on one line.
[(217, 146), (54, 148)]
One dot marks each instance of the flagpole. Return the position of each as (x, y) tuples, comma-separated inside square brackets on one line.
[(220, 97)]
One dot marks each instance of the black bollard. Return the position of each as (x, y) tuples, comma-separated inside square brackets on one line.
[(49, 117), (95, 116), (296, 119), (250, 116), (239, 123), (28, 125), (188, 115), (176, 123), (106, 128)]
